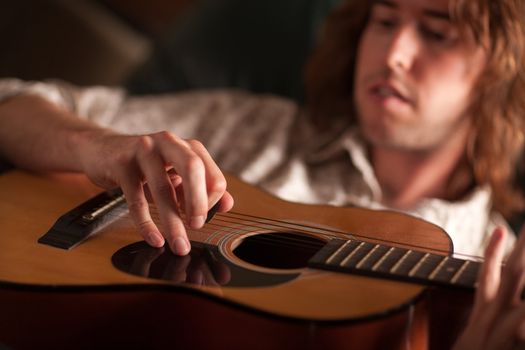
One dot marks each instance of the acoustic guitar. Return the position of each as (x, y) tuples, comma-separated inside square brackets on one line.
[(269, 274)]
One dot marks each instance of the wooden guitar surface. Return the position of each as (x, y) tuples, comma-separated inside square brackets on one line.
[(31, 204)]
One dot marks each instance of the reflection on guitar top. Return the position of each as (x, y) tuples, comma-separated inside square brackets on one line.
[(204, 266)]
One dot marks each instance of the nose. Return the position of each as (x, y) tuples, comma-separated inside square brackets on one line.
[(403, 50)]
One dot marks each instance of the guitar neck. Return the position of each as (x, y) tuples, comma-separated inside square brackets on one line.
[(376, 260)]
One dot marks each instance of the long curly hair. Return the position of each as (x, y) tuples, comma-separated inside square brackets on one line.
[(496, 143)]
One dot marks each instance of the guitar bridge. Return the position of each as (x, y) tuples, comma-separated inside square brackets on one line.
[(79, 223)]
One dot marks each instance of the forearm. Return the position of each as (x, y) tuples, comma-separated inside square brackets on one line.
[(37, 135)]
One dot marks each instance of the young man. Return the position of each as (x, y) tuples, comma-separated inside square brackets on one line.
[(426, 134), (415, 106)]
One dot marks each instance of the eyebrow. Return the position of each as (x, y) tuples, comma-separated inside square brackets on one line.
[(443, 15)]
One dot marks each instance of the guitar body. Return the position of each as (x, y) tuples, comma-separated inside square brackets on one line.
[(112, 291)]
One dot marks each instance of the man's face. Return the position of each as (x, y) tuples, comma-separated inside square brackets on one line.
[(414, 75)]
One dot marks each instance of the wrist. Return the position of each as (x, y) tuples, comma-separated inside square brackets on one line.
[(87, 149)]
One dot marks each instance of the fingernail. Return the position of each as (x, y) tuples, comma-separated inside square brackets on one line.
[(197, 221), (182, 246)]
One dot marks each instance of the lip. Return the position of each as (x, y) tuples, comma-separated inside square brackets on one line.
[(398, 92)]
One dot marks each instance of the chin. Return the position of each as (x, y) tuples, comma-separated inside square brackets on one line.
[(386, 138)]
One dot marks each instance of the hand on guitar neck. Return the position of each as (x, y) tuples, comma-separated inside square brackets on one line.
[(497, 320)]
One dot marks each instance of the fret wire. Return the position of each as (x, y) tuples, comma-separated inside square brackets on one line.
[(345, 260), (380, 261), (470, 274), (334, 254), (403, 258), (418, 265), (436, 270), (363, 259), (460, 271)]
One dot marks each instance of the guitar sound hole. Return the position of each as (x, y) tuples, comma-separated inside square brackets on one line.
[(278, 250)]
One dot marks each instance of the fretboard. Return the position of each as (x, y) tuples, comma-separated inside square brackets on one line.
[(376, 260)]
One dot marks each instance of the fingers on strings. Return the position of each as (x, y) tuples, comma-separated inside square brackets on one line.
[(182, 180)]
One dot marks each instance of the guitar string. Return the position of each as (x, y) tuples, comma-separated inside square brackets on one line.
[(424, 265), (246, 228), (251, 223), (259, 224), (325, 231)]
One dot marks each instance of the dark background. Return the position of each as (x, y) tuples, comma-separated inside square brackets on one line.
[(153, 46)]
